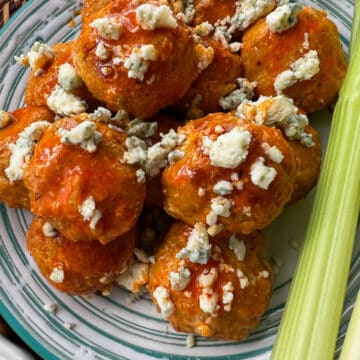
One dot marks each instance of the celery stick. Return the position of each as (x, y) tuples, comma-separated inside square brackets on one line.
[(351, 348), (310, 323)]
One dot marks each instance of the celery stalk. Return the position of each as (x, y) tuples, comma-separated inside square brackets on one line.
[(351, 348), (310, 323)]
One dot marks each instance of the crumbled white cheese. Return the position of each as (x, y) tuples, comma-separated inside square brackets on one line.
[(138, 61), (247, 12), (243, 280), (57, 275), (69, 326), (208, 277), (175, 155), (140, 176), (151, 17), (190, 341), (235, 46), (219, 129), (50, 307), (136, 150), (65, 103), (84, 135), (306, 43), (49, 230), (203, 29), (180, 279), (23, 149), (68, 77), (229, 150), (238, 247), (262, 175), (283, 17), (273, 153), (201, 192), (265, 274), (208, 301), (162, 297), (89, 213), (39, 55), (284, 114), (101, 51), (307, 66), (234, 99), (205, 58), (246, 211), (221, 206), (141, 129), (5, 119), (188, 12), (108, 28), (135, 277), (228, 296), (198, 248), (223, 187), (106, 70), (101, 114), (304, 68)]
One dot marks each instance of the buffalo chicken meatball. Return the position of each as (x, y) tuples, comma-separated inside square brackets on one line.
[(78, 181), (56, 80), (137, 57), (78, 267), (235, 176), (306, 62), (215, 287), (17, 135), (213, 83)]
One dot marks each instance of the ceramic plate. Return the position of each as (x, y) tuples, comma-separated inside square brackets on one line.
[(114, 327)]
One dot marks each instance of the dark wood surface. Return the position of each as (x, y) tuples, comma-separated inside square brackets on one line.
[(8, 8)]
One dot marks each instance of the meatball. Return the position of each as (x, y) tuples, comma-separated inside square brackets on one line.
[(78, 267), (216, 81), (77, 180), (305, 62), (280, 112), (220, 294), (226, 177), (12, 191), (42, 84), (138, 57)]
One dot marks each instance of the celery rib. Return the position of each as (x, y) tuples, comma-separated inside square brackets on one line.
[(310, 323)]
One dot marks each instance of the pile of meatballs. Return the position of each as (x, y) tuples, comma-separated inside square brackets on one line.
[(155, 147)]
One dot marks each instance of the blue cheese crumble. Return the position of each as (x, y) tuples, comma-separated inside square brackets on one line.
[(162, 297), (304, 68), (283, 17), (138, 61), (68, 77), (23, 149), (89, 213), (229, 150), (150, 17), (108, 28), (262, 175), (198, 248), (180, 279), (84, 135), (238, 247), (65, 103)]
